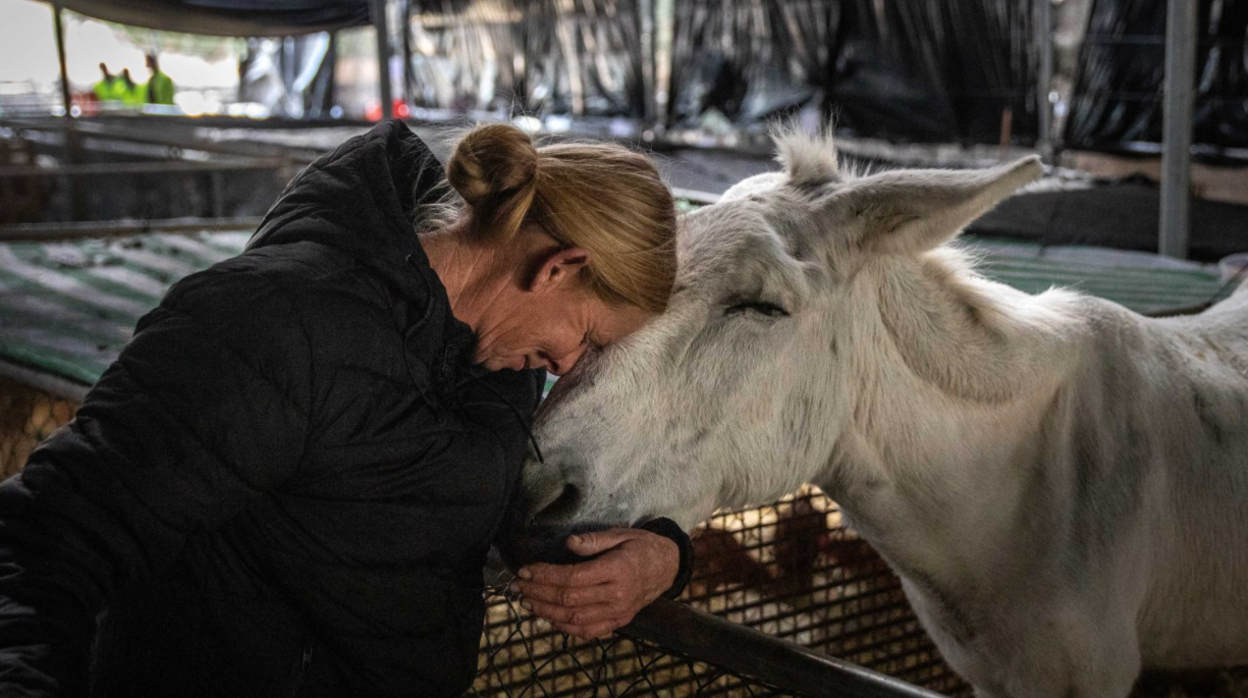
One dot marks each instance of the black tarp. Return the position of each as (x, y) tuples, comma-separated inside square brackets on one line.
[(576, 57), (292, 76), (1117, 99), (228, 17), (939, 70)]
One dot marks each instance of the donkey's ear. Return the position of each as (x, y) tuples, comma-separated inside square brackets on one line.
[(912, 211)]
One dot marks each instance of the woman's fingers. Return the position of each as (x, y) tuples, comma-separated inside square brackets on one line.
[(590, 632), (590, 599), (568, 596), (595, 542), (576, 616), (581, 574)]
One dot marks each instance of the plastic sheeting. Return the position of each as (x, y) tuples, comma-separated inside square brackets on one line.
[(291, 76), (576, 57), (939, 70), (1117, 100)]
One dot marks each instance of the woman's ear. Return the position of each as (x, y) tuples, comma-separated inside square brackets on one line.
[(556, 268)]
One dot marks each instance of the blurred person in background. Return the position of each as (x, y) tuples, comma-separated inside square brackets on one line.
[(159, 89), (129, 92), (108, 89)]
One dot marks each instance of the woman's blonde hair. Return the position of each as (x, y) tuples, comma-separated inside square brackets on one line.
[(601, 197)]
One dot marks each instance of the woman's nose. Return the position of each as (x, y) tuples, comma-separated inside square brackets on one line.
[(563, 364)]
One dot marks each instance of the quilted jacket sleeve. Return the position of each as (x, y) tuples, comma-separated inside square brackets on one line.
[(205, 408)]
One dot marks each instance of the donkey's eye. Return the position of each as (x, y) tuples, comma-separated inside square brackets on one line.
[(765, 309)]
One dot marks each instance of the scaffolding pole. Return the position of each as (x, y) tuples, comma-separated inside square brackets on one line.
[(383, 57), (664, 26), (1044, 79), (1176, 155), (73, 156), (59, 26)]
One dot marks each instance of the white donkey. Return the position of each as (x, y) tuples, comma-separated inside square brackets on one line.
[(1061, 484)]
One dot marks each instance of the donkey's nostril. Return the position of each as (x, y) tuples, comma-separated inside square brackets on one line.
[(561, 508)]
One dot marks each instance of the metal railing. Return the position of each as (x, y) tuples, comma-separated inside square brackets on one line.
[(784, 600)]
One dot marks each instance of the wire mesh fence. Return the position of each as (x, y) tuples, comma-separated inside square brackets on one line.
[(27, 416), (524, 656), (791, 570)]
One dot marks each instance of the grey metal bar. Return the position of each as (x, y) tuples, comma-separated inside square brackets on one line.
[(383, 57), (37, 232), (132, 168), (664, 26), (1176, 157), (785, 665), (143, 133), (73, 154), (1044, 79), (59, 25), (218, 194), (405, 45), (645, 9)]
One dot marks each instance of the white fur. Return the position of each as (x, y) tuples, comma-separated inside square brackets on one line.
[(1061, 483)]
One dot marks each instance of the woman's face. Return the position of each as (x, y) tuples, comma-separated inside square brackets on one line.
[(552, 320)]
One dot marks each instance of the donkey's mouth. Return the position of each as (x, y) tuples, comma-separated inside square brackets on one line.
[(559, 510), (522, 545)]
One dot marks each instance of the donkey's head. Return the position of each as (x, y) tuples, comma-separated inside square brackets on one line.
[(743, 388)]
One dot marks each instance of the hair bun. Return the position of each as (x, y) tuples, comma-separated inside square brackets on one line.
[(491, 160)]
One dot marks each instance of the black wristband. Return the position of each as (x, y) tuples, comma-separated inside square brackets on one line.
[(668, 529)]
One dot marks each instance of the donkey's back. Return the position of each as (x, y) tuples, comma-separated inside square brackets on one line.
[(1196, 607)]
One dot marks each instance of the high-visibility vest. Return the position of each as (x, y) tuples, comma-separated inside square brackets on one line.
[(109, 89), (132, 96), (159, 90)]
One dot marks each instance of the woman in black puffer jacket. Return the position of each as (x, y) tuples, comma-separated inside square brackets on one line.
[(287, 483)]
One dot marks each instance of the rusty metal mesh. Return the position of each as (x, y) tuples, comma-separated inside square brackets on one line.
[(27, 416), (523, 656), (790, 569)]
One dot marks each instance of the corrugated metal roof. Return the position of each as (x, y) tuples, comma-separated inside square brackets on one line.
[(67, 308)]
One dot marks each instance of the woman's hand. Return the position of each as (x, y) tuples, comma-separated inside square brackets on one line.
[(593, 599)]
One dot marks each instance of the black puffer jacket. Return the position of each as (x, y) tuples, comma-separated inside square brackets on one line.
[(287, 483)]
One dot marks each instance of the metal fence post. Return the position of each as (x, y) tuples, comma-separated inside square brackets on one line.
[(1044, 79), (1176, 158), (383, 57), (73, 143), (664, 26)]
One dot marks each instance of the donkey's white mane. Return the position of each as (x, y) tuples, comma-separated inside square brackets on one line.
[(807, 158)]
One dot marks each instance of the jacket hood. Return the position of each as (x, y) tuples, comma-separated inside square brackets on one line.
[(362, 199)]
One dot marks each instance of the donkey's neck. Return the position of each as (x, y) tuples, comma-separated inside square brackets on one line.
[(969, 339), (955, 376)]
